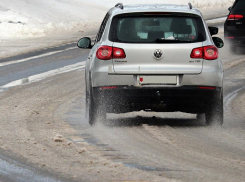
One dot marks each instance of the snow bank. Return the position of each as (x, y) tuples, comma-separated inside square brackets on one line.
[(36, 18)]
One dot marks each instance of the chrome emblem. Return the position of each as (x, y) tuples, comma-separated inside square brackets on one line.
[(158, 54)]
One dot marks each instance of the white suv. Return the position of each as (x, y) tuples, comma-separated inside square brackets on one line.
[(155, 58)]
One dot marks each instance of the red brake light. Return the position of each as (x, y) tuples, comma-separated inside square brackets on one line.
[(207, 52), (210, 52), (104, 53), (108, 52), (234, 17)]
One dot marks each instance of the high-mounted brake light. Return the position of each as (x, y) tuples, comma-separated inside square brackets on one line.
[(234, 17), (108, 52), (207, 52)]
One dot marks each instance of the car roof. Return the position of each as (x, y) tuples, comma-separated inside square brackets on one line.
[(154, 8)]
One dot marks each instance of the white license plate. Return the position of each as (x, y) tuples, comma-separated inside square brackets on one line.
[(157, 80)]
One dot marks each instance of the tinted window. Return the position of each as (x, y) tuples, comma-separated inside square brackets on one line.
[(239, 6), (159, 29)]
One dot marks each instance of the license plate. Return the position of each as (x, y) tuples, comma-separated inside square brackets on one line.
[(157, 80)]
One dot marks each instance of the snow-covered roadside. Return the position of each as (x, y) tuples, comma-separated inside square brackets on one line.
[(35, 18), (29, 25)]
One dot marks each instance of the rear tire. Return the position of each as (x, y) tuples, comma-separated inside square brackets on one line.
[(96, 112), (200, 116), (233, 49), (215, 114), (91, 111)]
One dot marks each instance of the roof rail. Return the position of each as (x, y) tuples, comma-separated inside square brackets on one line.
[(190, 5), (119, 5)]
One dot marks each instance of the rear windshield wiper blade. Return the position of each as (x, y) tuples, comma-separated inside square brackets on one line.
[(162, 40)]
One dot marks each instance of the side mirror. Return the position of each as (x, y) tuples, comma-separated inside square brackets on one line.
[(213, 30), (229, 8), (218, 42), (84, 43)]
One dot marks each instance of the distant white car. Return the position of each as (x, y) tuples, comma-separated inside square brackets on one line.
[(155, 58)]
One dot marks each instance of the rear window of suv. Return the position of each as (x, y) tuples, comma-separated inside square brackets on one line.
[(239, 6), (129, 28)]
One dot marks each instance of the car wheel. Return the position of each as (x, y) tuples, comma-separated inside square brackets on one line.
[(215, 114), (233, 49), (200, 116), (90, 110), (95, 110)]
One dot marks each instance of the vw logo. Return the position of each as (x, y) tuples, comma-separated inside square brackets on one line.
[(158, 54)]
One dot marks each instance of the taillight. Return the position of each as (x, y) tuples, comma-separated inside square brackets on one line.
[(234, 17), (108, 52), (197, 53), (210, 52), (104, 53), (207, 52), (118, 53)]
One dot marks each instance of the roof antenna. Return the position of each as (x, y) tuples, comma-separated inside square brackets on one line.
[(190, 5), (119, 5)]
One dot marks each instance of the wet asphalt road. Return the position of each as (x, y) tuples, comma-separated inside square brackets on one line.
[(21, 68), (173, 145), (14, 171), (26, 67)]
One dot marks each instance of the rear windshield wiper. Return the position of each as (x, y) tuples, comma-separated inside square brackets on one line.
[(162, 40)]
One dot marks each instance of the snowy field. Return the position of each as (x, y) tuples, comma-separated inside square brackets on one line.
[(31, 19)]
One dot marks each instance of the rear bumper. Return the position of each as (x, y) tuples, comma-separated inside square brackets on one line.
[(190, 99), (211, 75), (235, 36), (237, 41)]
